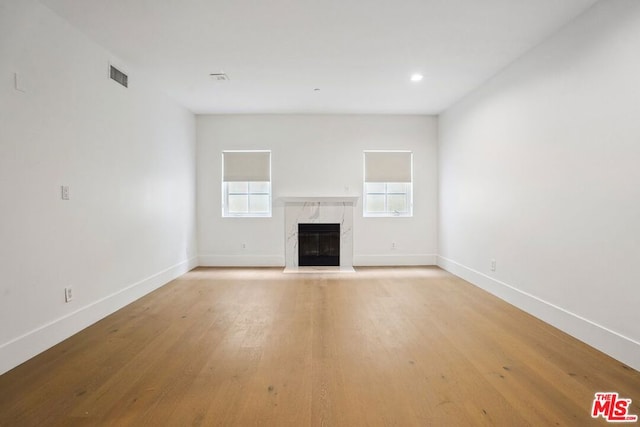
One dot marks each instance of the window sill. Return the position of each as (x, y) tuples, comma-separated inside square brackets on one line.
[(246, 216), (387, 215)]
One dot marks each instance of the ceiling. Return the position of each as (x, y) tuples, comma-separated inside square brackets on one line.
[(360, 54)]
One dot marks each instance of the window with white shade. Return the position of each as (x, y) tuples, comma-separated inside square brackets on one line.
[(388, 183), (246, 183)]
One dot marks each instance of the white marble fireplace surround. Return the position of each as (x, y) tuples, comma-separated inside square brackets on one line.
[(319, 210)]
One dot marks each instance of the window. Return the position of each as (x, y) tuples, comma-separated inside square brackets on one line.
[(246, 183), (388, 186)]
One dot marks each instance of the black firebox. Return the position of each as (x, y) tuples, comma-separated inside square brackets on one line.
[(318, 245)]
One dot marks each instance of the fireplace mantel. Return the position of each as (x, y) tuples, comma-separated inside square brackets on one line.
[(319, 199)]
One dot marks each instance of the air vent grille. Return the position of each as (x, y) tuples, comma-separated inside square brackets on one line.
[(221, 77), (118, 76)]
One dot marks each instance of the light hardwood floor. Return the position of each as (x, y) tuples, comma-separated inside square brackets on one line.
[(247, 347)]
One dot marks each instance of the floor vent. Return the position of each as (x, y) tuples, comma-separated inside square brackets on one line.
[(119, 76)]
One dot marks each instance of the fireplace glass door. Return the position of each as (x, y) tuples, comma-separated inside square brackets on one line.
[(318, 245)]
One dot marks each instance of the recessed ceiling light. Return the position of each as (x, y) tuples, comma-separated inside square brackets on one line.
[(416, 77)]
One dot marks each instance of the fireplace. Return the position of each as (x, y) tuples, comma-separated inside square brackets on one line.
[(318, 210), (318, 244)]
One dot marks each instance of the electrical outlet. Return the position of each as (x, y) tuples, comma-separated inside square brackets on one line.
[(64, 192), (68, 294), (493, 265), (244, 246), (393, 245), (18, 82)]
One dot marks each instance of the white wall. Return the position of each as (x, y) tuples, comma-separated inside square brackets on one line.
[(128, 156), (316, 155), (539, 169)]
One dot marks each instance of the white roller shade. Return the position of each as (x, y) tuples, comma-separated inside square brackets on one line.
[(387, 166), (246, 166)]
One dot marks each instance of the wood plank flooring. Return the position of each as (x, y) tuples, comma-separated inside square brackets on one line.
[(249, 347)]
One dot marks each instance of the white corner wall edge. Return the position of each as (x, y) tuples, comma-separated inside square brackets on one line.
[(610, 342), (23, 348), (241, 260), (393, 260)]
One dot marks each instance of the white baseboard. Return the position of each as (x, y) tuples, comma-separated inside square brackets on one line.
[(610, 342), (279, 261), (241, 260), (34, 342), (399, 259)]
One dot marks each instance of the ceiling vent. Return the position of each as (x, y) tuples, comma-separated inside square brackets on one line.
[(221, 77), (118, 76)]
